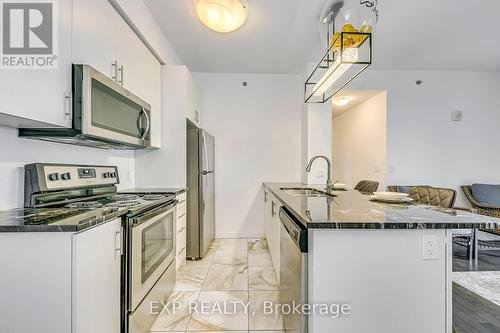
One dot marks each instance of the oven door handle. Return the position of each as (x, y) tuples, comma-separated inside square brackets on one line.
[(155, 212)]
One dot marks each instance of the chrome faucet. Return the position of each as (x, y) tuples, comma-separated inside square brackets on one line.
[(329, 184)]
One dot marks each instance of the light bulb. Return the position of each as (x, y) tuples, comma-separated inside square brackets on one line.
[(336, 70), (221, 15)]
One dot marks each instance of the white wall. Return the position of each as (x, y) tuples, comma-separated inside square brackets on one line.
[(257, 139), (423, 145), (316, 135), (319, 140), (359, 143), (16, 152)]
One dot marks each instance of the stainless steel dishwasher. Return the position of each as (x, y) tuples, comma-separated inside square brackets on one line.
[(293, 270)]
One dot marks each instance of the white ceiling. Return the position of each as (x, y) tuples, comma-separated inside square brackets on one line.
[(281, 36), (357, 97)]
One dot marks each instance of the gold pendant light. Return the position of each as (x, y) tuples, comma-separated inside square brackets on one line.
[(349, 49)]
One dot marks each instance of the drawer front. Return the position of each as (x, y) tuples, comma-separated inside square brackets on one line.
[(181, 249), (181, 198), (181, 242), (181, 224), (181, 211)]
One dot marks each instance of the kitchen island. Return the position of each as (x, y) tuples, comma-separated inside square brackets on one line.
[(390, 263)]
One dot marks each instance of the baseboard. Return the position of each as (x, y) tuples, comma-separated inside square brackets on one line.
[(246, 234)]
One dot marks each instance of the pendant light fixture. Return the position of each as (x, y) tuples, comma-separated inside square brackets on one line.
[(349, 47), (221, 15)]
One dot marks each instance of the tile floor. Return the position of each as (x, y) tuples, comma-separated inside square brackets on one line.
[(235, 273)]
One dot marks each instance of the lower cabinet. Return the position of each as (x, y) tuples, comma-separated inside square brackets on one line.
[(272, 225), (180, 254), (96, 279), (61, 281)]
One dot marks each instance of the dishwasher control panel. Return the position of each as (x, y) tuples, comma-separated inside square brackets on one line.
[(295, 230)]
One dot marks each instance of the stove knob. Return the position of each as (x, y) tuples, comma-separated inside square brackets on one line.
[(54, 176), (66, 176), (106, 175), (113, 174)]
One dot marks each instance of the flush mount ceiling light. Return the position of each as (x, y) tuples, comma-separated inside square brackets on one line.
[(349, 47), (342, 101), (221, 15)]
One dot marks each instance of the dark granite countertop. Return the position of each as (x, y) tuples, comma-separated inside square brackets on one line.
[(353, 210), (56, 219), (166, 190)]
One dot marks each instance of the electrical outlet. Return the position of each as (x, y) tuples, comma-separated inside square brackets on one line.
[(429, 247)]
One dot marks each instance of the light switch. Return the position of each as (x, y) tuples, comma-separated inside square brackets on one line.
[(456, 115)]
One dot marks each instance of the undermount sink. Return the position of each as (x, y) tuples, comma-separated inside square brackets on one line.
[(306, 192)]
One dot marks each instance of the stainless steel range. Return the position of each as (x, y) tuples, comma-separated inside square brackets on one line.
[(73, 192)]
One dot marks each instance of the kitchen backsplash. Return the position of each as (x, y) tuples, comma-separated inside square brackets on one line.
[(16, 152)]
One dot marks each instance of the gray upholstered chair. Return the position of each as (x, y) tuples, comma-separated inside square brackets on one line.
[(480, 207), (366, 186), (484, 203), (433, 196), (401, 188)]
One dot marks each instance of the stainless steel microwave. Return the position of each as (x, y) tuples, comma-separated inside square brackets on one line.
[(105, 115)]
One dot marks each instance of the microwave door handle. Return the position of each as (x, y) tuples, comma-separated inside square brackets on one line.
[(148, 124)]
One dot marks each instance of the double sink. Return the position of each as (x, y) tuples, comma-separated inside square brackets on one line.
[(306, 192)]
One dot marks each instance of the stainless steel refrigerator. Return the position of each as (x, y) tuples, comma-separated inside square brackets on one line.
[(200, 228)]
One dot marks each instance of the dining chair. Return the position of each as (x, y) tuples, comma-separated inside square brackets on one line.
[(366, 186), (433, 196), (482, 208)]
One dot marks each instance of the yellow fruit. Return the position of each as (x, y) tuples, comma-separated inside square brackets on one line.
[(348, 28)]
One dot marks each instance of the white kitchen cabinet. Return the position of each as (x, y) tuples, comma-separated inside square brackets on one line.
[(181, 231), (194, 100), (272, 228), (61, 281), (103, 40), (96, 25), (187, 94), (38, 97), (96, 279), (142, 75)]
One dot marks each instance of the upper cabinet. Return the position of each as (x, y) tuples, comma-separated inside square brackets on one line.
[(194, 100), (33, 96), (103, 40), (184, 93), (88, 32)]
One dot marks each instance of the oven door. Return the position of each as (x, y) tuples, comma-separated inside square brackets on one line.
[(152, 250), (107, 110)]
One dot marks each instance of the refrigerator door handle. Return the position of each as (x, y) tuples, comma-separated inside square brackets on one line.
[(205, 149)]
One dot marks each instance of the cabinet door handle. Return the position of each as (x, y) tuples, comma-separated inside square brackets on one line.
[(183, 201), (114, 71), (181, 250), (68, 105), (118, 243), (273, 213), (265, 196), (121, 70), (182, 215), (181, 229)]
